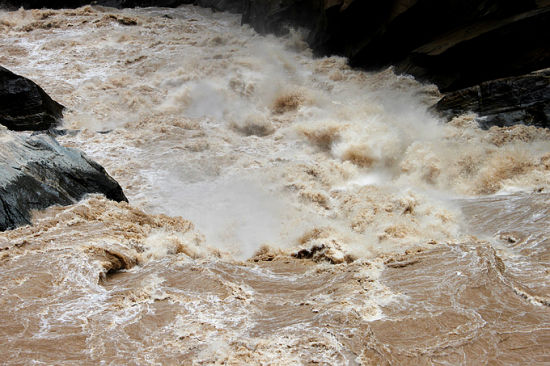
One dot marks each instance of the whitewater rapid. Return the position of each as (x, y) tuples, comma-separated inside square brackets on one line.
[(283, 209)]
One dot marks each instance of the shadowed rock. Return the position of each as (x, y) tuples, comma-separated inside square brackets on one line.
[(37, 172), (24, 105), (503, 102)]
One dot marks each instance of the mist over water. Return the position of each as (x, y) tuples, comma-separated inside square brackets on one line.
[(284, 209)]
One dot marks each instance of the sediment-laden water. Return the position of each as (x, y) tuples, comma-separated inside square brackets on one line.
[(284, 209)]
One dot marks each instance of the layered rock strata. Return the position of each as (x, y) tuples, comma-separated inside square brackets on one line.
[(503, 102)]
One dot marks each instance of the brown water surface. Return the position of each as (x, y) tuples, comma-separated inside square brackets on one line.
[(284, 209)]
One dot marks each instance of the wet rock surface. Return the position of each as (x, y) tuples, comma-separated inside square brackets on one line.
[(24, 105), (37, 172), (503, 102)]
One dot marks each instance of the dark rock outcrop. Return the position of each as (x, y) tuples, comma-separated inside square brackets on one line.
[(503, 102), (37, 172), (24, 105), (487, 49), (475, 51)]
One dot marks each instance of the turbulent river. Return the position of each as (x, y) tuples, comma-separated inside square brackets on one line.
[(284, 209)]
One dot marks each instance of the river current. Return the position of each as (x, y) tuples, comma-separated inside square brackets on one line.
[(284, 209)]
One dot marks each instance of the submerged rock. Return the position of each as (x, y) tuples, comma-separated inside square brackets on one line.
[(37, 172), (503, 102), (24, 105)]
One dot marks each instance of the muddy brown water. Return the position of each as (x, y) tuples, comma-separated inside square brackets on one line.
[(284, 209)]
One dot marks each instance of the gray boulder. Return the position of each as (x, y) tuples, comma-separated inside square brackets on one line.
[(37, 172), (24, 105)]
